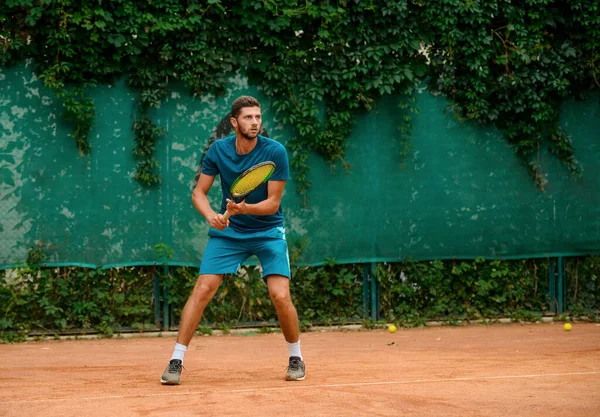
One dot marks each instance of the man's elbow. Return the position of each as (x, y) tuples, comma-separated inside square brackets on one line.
[(196, 195), (275, 207)]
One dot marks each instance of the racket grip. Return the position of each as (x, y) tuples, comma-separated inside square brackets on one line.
[(226, 215)]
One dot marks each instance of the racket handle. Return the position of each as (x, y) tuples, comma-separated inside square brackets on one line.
[(226, 215)]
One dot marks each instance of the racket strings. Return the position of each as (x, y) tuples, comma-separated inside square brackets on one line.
[(251, 180)]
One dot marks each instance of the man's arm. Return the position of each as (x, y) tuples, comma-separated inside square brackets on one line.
[(265, 207), (200, 201)]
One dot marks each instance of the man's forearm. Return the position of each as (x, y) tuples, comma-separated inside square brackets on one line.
[(264, 208), (200, 201)]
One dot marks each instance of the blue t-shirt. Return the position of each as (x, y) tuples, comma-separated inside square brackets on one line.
[(222, 159)]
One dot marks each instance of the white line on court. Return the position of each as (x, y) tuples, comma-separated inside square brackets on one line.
[(292, 386)]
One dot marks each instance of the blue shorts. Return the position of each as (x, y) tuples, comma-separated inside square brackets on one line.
[(227, 250)]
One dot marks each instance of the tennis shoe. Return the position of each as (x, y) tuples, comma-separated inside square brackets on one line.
[(172, 375), (295, 370)]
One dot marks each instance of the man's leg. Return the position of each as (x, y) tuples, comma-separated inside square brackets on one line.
[(279, 291), (204, 290)]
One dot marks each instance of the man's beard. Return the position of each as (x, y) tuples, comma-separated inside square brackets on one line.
[(248, 135)]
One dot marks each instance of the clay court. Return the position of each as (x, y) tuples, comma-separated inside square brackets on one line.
[(475, 370)]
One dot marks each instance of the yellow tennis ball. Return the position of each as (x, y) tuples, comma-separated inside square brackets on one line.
[(567, 327), (392, 329)]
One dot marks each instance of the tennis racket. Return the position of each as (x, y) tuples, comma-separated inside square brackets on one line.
[(249, 181)]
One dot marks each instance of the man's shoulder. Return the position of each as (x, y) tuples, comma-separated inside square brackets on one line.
[(224, 142), (271, 143)]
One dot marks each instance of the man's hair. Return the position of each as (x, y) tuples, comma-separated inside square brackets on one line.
[(240, 103)]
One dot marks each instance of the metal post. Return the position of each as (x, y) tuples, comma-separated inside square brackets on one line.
[(156, 298), (552, 285), (560, 286), (166, 311), (378, 286), (374, 293), (366, 290)]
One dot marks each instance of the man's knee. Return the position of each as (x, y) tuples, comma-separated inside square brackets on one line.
[(279, 290), (204, 289), (281, 297)]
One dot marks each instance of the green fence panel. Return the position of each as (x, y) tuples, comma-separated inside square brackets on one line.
[(462, 192)]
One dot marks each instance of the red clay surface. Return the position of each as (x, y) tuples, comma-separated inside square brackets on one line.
[(497, 370)]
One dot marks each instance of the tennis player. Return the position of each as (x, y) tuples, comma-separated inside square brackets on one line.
[(256, 227)]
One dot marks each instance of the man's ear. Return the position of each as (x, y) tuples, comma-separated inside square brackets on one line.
[(233, 122)]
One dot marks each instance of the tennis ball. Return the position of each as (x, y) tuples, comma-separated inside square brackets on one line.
[(392, 329), (567, 327)]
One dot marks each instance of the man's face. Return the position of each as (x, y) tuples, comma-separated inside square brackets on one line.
[(248, 122)]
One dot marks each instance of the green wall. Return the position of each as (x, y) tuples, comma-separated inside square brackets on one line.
[(462, 193)]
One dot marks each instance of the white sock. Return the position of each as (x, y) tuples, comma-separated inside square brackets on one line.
[(178, 352), (295, 349)]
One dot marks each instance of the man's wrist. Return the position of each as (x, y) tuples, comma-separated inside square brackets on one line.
[(210, 216)]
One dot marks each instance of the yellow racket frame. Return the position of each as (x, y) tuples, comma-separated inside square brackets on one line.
[(249, 181)]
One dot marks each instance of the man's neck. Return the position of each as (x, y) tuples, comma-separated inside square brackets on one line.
[(244, 145)]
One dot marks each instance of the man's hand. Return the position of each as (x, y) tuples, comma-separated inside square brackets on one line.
[(233, 208), (218, 221)]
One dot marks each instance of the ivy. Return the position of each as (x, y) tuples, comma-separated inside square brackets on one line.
[(69, 300), (146, 135), (323, 63), (79, 109), (513, 63)]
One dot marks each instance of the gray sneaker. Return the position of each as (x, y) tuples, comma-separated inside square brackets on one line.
[(296, 370), (172, 375)]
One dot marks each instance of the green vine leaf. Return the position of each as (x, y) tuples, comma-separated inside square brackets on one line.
[(323, 64)]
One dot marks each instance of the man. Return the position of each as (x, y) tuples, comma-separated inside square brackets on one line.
[(256, 227)]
